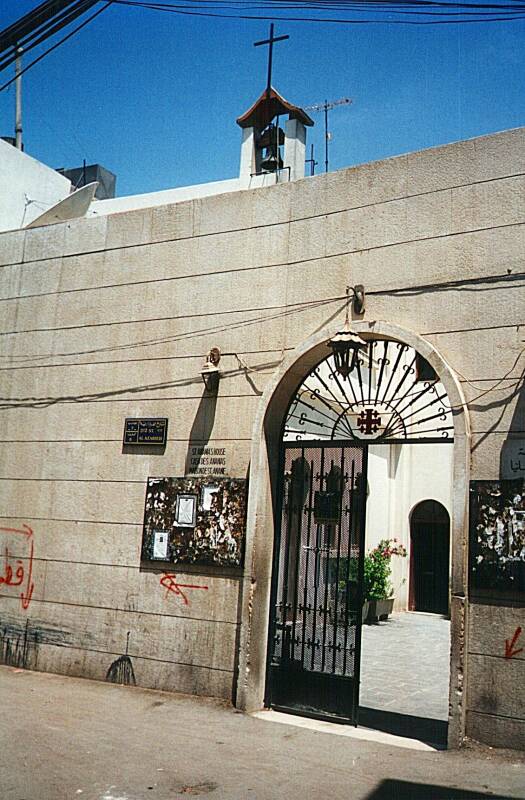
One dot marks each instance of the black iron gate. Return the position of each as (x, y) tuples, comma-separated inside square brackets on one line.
[(317, 593)]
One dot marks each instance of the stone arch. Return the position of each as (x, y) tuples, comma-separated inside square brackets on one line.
[(264, 463)]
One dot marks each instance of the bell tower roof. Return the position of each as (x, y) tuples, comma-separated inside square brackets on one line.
[(270, 105)]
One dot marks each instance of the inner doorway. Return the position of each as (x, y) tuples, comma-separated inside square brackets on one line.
[(429, 558)]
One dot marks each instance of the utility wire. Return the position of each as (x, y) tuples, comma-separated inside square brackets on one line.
[(185, 335), (36, 18), (499, 14), (292, 308), (464, 13), (17, 402), (494, 388), (57, 44), (43, 32), (424, 6)]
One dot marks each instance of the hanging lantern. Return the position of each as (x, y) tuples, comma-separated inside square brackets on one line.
[(345, 346)]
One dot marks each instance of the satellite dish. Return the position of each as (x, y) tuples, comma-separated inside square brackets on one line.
[(71, 207)]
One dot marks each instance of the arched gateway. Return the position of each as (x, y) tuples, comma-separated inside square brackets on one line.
[(310, 472)]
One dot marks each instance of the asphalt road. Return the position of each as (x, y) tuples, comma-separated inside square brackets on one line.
[(72, 738)]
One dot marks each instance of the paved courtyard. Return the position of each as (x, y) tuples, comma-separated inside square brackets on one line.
[(405, 665)]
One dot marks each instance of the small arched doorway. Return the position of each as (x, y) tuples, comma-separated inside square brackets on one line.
[(429, 558)]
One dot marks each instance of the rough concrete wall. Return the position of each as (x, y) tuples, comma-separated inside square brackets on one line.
[(112, 317)]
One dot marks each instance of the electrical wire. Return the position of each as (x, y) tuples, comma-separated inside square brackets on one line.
[(499, 14), (57, 44), (498, 382), (182, 336), (55, 25), (464, 13), (494, 388)]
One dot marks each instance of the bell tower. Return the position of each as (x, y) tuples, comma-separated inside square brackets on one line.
[(263, 137)]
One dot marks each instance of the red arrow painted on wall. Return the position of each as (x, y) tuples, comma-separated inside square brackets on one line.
[(25, 530), (509, 648)]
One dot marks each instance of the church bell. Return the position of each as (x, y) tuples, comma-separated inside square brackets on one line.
[(271, 162), (270, 140)]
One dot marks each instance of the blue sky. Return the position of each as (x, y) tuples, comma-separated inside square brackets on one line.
[(154, 96)]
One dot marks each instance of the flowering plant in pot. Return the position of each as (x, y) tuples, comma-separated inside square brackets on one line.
[(378, 588)]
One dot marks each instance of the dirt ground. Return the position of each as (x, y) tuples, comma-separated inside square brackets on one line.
[(72, 738)]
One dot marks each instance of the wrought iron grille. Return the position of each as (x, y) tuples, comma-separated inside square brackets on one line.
[(318, 592), (392, 394)]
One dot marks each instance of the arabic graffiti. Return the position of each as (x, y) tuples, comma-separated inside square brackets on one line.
[(513, 459), (170, 584), (14, 572)]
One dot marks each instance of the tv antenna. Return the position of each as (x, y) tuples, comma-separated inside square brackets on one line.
[(326, 107)]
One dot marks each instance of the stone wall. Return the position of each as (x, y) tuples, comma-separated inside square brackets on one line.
[(112, 317)]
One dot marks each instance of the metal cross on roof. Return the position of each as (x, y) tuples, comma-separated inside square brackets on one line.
[(270, 42)]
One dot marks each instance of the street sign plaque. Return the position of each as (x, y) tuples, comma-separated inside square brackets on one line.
[(146, 431)]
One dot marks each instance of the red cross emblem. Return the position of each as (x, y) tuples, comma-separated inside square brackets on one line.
[(369, 421)]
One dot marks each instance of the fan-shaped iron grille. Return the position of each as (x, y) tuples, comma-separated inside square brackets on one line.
[(392, 394)]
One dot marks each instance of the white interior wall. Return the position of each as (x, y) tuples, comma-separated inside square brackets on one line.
[(400, 477)]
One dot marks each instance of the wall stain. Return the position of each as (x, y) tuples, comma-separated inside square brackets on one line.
[(19, 642), (121, 670)]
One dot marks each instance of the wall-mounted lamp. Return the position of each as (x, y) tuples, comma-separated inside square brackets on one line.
[(345, 345), (210, 370)]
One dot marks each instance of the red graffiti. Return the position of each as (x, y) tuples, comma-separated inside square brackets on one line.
[(171, 585), (19, 576), (509, 648)]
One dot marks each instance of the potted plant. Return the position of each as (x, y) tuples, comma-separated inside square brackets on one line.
[(378, 589)]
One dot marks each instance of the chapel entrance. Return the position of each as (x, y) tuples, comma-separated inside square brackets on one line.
[(390, 396), (429, 559)]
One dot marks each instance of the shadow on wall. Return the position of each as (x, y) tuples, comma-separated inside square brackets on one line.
[(500, 403), (201, 431), (404, 790), (513, 449)]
